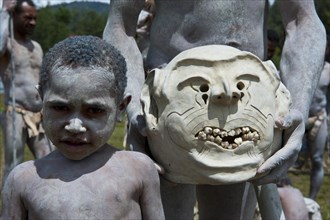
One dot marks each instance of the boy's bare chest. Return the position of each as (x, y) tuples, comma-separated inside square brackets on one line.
[(85, 197)]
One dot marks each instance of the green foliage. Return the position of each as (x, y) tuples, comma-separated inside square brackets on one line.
[(323, 10), (56, 23)]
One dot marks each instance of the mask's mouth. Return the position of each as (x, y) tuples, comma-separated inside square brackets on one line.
[(228, 139)]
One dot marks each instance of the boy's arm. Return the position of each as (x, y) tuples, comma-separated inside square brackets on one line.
[(301, 64), (12, 205), (150, 201)]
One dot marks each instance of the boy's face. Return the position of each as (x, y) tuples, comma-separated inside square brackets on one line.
[(79, 113)]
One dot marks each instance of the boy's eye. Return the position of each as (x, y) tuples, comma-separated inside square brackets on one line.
[(96, 110), (60, 108)]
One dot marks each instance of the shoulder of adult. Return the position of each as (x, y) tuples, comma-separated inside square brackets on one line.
[(37, 45)]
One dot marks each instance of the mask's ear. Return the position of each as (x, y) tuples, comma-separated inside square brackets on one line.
[(283, 101), (122, 107), (149, 91)]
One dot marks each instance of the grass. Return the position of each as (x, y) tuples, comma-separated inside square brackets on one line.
[(300, 180)]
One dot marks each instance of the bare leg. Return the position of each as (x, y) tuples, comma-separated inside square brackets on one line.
[(249, 202), (178, 200), (221, 202), (316, 150)]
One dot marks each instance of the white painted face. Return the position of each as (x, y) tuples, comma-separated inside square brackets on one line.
[(79, 111), (210, 115)]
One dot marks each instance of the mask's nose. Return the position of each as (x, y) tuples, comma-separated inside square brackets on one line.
[(225, 93), (75, 126)]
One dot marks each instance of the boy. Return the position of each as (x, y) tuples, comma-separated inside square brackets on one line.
[(82, 84)]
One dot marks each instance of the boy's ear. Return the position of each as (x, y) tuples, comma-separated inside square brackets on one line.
[(122, 107), (38, 89)]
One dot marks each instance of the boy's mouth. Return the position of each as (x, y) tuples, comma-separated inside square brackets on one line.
[(74, 141)]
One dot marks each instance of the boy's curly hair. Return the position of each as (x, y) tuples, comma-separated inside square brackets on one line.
[(85, 51)]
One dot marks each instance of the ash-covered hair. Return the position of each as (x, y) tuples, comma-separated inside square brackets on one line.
[(85, 51)]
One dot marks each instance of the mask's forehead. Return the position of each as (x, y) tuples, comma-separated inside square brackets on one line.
[(210, 53), (219, 60)]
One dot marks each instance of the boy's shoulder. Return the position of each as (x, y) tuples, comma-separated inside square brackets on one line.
[(134, 158), (22, 172)]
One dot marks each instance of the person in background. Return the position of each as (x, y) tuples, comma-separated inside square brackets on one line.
[(20, 61), (316, 136), (273, 43)]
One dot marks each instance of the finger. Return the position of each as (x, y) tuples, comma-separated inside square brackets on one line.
[(292, 144), (273, 177), (291, 120)]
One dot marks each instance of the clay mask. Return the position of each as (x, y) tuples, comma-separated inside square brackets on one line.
[(211, 114)]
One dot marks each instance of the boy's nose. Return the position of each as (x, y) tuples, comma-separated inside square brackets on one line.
[(75, 126)]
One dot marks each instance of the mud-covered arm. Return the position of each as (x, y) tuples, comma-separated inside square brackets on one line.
[(4, 30), (120, 31), (301, 65), (303, 51), (6, 6)]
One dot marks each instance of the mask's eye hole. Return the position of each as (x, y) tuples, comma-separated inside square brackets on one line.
[(240, 85), (204, 88)]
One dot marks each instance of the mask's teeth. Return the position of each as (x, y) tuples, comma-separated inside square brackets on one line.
[(223, 134), (255, 136), (218, 140), (217, 136), (238, 140), (216, 131), (225, 144), (238, 131), (231, 133), (210, 137), (202, 136), (208, 130), (245, 130)]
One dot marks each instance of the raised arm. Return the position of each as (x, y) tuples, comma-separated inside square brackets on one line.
[(120, 31), (7, 7), (301, 65), (303, 51)]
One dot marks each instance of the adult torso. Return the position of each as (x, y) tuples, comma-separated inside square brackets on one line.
[(180, 25), (27, 63)]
